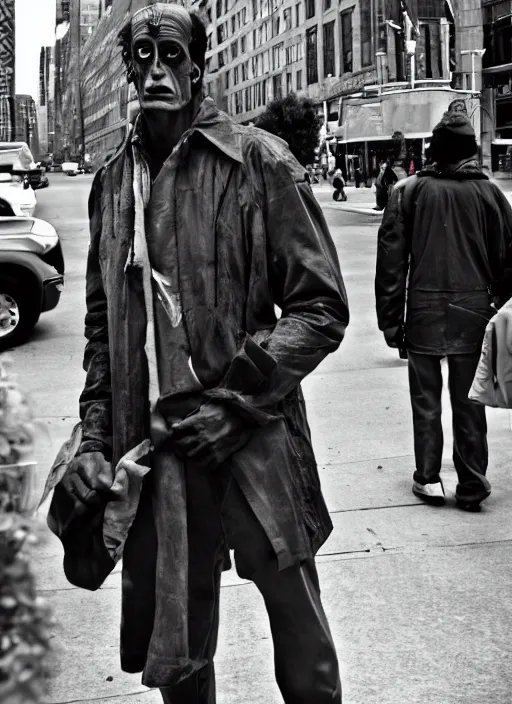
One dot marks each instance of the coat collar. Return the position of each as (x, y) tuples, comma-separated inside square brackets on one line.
[(467, 169), (214, 125)]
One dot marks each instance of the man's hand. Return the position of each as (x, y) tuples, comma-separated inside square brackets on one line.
[(86, 481), (393, 337), (210, 435)]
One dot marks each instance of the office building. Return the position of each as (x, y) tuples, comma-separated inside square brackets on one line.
[(7, 70)]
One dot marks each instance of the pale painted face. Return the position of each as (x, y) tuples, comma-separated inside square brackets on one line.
[(162, 68)]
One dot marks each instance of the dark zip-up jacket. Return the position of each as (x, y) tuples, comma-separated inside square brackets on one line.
[(443, 254)]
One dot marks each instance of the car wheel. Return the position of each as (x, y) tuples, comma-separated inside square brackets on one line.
[(18, 312)]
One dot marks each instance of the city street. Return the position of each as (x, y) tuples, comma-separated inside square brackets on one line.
[(418, 598)]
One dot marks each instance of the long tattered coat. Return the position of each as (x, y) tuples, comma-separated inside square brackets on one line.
[(250, 236)]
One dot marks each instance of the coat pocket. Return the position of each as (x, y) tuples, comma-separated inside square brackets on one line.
[(466, 325)]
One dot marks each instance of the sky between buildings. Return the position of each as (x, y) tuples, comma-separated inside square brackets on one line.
[(35, 27)]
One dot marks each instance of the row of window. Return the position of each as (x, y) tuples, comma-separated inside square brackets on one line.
[(278, 24), (261, 64), (264, 62), (258, 95)]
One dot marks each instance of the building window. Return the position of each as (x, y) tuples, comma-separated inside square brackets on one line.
[(245, 71), (297, 14), (243, 44), (276, 57), (234, 50), (233, 24), (346, 42), (310, 9), (254, 9), (311, 56), (289, 85), (220, 34), (299, 80), (221, 59), (226, 80), (287, 17), (366, 34), (219, 8), (277, 85), (235, 76), (329, 49), (238, 103), (277, 26), (327, 5)]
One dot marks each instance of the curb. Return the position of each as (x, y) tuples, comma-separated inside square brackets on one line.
[(358, 209)]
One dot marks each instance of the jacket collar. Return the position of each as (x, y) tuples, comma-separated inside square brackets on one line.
[(466, 169), (214, 125)]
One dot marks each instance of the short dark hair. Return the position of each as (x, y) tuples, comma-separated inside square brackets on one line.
[(197, 46)]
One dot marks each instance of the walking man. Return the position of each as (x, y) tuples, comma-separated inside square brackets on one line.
[(199, 228), (443, 245)]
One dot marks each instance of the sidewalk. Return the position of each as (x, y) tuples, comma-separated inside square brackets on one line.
[(359, 200), (418, 598), (362, 200)]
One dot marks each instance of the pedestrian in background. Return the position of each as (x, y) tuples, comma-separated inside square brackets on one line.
[(443, 247), (184, 347)]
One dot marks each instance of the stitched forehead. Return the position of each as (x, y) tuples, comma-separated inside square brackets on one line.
[(162, 20)]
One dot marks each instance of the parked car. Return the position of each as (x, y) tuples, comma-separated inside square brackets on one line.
[(17, 191), (16, 165), (31, 274)]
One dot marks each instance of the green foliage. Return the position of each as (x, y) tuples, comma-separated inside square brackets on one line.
[(296, 121)]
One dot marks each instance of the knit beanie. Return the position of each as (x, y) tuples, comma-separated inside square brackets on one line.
[(455, 124)]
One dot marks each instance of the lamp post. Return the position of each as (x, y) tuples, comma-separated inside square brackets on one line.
[(473, 53)]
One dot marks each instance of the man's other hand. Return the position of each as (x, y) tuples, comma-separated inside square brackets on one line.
[(210, 435), (393, 337), (87, 481)]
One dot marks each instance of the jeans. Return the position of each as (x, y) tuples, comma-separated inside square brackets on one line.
[(306, 666), (470, 453)]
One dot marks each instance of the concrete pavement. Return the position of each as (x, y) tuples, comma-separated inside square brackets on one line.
[(418, 598)]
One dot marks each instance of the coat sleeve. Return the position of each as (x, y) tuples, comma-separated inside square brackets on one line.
[(304, 274), (500, 247), (96, 398), (392, 265)]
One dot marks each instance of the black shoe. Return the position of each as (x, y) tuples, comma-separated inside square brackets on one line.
[(472, 504)]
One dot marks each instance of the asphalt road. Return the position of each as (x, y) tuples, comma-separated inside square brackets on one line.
[(418, 598)]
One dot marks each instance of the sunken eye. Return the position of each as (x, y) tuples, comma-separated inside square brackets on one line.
[(173, 53), (144, 53)]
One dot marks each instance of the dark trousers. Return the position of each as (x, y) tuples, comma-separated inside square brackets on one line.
[(305, 660), (470, 453)]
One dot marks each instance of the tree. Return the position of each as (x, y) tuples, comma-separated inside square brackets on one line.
[(296, 121)]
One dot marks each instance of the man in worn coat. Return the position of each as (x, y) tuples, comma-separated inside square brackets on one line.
[(444, 244), (199, 228)]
